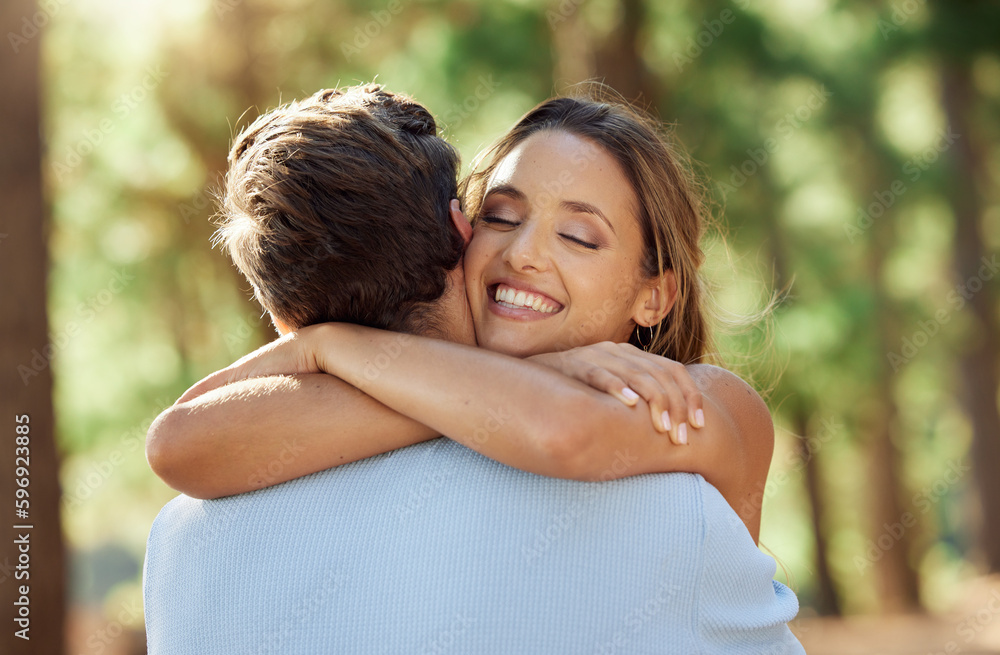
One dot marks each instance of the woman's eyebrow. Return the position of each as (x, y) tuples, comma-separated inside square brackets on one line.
[(508, 191), (586, 208)]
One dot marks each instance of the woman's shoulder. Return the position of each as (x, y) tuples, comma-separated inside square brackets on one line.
[(739, 404), (742, 466)]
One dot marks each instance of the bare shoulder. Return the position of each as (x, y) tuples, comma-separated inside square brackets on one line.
[(746, 413), (730, 399), (735, 397)]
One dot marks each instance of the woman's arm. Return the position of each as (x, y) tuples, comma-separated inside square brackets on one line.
[(539, 420), (260, 432), (228, 434)]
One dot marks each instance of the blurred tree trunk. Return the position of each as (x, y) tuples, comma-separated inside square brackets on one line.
[(976, 269), (827, 602), (26, 384), (802, 407), (890, 540), (619, 58), (572, 47)]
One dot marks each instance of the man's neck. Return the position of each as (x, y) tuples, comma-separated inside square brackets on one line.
[(453, 319)]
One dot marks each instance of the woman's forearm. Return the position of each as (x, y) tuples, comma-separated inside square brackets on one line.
[(263, 431), (518, 412)]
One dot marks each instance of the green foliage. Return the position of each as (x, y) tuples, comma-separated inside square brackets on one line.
[(802, 116)]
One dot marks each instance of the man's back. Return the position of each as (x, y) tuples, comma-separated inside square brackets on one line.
[(434, 548)]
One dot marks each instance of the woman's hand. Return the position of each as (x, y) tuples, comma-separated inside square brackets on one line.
[(627, 373), (292, 354)]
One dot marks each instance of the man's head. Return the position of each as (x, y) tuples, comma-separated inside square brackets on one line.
[(336, 208)]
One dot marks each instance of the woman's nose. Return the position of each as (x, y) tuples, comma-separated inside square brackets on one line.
[(527, 250)]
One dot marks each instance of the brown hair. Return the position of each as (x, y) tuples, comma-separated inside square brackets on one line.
[(336, 209), (671, 209)]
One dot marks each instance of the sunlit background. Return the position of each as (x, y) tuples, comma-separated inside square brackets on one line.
[(851, 149)]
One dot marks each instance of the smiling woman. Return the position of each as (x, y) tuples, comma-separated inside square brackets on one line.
[(557, 225), (619, 214)]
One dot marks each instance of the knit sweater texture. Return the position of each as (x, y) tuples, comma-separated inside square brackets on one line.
[(436, 549)]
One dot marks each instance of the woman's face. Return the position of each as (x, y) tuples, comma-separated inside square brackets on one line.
[(555, 258)]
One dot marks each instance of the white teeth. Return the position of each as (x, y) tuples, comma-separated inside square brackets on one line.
[(522, 299)]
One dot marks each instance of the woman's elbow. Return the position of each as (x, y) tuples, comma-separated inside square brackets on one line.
[(170, 454)]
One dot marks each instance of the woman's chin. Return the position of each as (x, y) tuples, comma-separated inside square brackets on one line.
[(513, 345)]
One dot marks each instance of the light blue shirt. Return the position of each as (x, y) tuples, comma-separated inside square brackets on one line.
[(434, 548)]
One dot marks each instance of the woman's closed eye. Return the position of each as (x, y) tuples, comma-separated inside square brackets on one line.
[(580, 242), (497, 221)]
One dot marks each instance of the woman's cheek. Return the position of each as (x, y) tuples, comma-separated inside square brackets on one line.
[(482, 249)]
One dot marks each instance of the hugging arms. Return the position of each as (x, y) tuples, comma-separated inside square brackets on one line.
[(585, 241)]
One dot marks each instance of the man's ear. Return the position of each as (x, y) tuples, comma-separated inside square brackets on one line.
[(656, 299), (459, 220)]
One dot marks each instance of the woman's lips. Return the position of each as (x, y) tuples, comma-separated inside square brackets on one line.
[(520, 303)]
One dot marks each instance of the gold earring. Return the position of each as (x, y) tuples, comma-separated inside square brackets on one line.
[(638, 336)]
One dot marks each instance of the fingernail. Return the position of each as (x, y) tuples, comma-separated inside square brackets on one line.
[(699, 418), (665, 417), (682, 433), (629, 394)]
